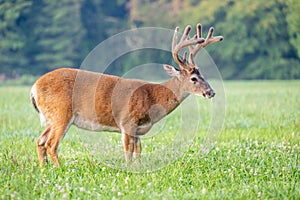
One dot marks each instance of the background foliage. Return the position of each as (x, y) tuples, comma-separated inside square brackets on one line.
[(261, 37)]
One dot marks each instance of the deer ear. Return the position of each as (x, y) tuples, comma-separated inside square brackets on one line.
[(172, 71)]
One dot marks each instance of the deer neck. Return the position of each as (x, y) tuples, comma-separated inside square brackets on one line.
[(175, 85)]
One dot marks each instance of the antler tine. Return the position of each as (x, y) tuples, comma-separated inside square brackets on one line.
[(199, 30), (194, 50), (184, 57), (174, 41), (185, 34), (209, 39), (191, 58)]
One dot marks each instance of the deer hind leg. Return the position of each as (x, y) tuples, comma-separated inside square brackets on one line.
[(137, 147), (41, 141), (57, 133)]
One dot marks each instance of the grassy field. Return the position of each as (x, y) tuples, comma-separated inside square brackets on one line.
[(256, 155)]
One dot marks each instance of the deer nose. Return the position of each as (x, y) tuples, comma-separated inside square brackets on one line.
[(213, 93), (210, 93)]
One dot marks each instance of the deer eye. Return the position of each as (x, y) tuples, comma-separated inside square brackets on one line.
[(194, 79)]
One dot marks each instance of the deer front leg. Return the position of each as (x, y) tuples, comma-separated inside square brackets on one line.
[(137, 147), (128, 143)]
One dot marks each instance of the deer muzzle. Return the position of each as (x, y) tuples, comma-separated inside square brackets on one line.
[(209, 93)]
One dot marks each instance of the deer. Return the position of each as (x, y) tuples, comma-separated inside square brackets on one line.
[(101, 102)]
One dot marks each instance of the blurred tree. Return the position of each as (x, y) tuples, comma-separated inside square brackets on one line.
[(158, 13), (294, 23), (102, 19), (54, 35), (12, 38)]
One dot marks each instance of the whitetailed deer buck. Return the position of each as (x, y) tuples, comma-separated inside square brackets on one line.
[(96, 101)]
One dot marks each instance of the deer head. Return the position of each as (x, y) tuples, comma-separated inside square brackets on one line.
[(189, 73)]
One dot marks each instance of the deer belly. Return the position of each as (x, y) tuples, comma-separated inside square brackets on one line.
[(93, 125)]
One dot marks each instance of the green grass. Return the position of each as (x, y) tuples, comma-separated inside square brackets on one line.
[(256, 155)]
